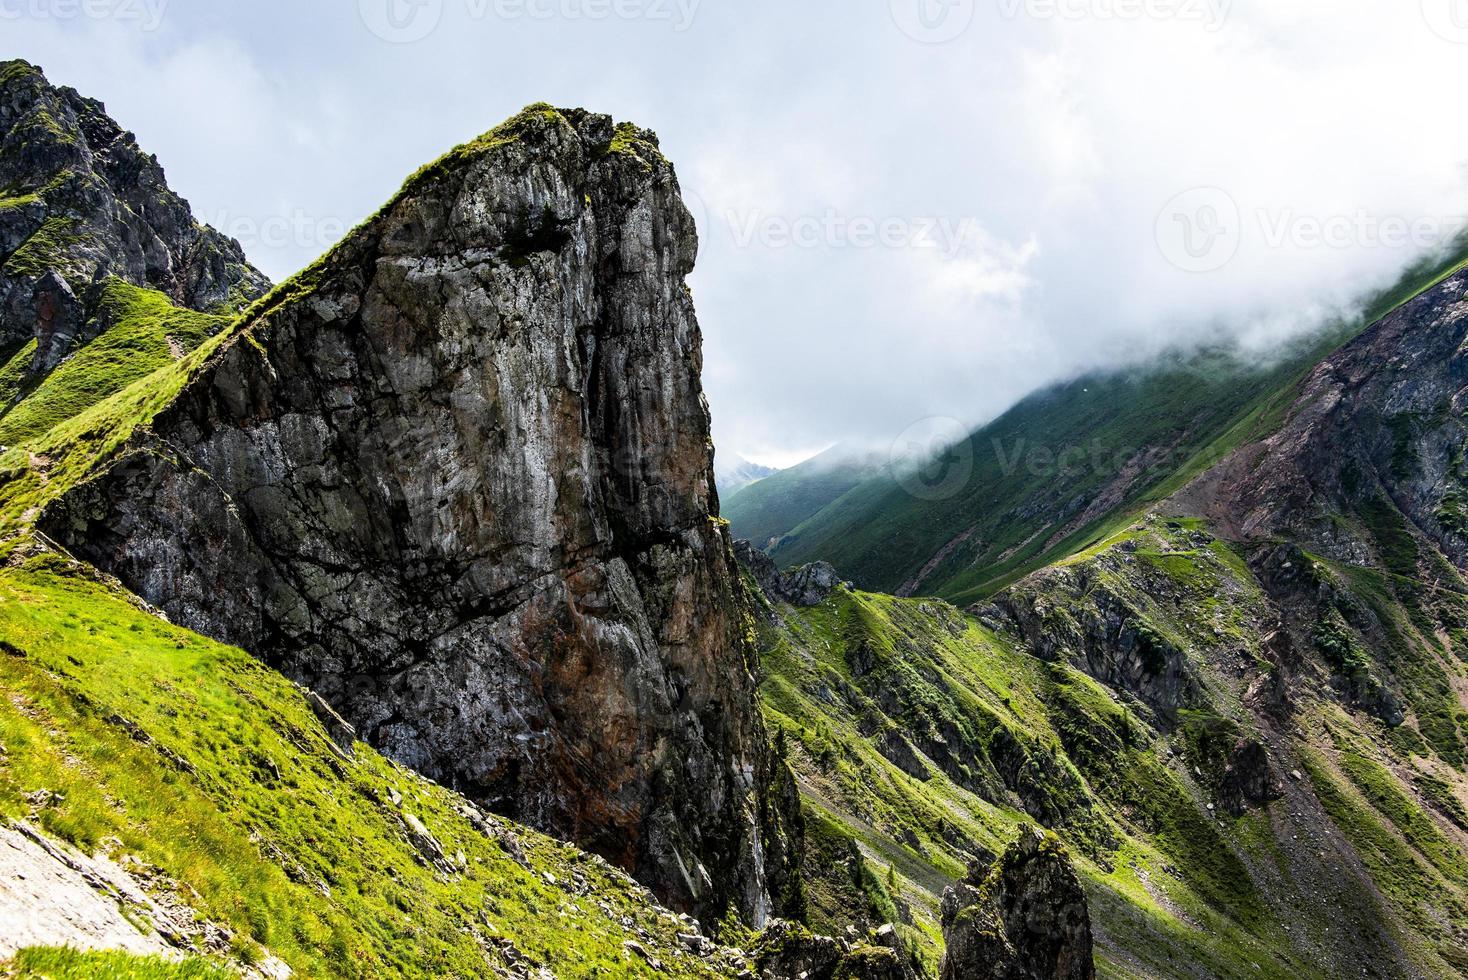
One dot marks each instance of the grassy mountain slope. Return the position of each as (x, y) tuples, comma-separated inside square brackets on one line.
[(1215, 840), (762, 512), (1049, 471), (1050, 476), (1244, 709), (145, 332)]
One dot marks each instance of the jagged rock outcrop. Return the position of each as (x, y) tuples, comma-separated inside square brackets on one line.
[(457, 479), (1064, 614), (1367, 470), (79, 201), (788, 951), (808, 585), (1026, 918), (1248, 780)]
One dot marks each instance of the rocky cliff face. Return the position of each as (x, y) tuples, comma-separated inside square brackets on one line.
[(457, 478), (1377, 430), (1079, 614), (808, 585), (1024, 919), (787, 951), (1366, 476), (79, 201)]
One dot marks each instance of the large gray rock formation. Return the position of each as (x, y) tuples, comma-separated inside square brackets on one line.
[(1070, 614), (457, 478), (1368, 469), (1026, 918), (787, 951), (808, 585), (80, 201)]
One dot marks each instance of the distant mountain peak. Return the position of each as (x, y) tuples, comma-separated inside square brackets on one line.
[(733, 473)]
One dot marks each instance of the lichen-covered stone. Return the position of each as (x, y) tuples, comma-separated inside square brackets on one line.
[(1065, 614), (789, 951), (457, 479)]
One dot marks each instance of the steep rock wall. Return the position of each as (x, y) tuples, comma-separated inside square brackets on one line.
[(458, 479)]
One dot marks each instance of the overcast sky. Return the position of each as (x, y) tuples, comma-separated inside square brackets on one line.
[(909, 208)]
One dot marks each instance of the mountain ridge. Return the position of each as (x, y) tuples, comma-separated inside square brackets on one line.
[(499, 665), (81, 202), (1240, 707)]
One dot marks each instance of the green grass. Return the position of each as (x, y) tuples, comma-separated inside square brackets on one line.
[(143, 322), (1389, 639), (202, 763), (1017, 509), (47, 249), (1424, 899), (1023, 735), (768, 509), (46, 963), (8, 202), (42, 467), (15, 70), (1176, 888)]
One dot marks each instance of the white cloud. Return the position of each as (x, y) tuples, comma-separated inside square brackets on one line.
[(1054, 135)]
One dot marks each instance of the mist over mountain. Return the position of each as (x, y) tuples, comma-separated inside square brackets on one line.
[(736, 473)]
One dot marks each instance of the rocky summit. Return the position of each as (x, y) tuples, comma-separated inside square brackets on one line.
[(79, 202), (457, 479)]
